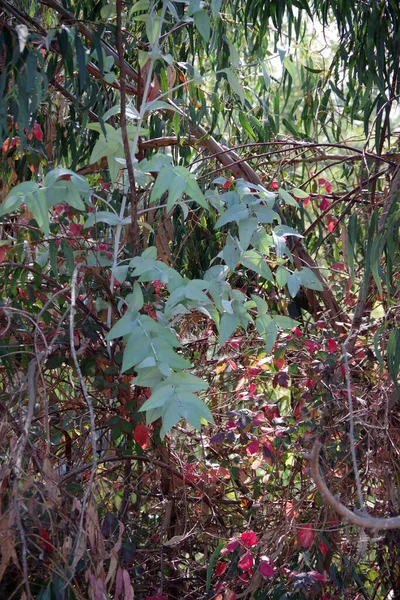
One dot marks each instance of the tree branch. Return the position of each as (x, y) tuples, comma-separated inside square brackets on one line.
[(367, 522)]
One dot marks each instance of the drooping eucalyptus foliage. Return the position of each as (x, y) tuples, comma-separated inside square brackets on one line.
[(199, 225)]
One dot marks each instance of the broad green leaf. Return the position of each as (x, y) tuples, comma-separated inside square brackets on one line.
[(266, 215), (193, 191), (256, 262), (102, 216), (281, 276), (246, 229), (261, 304), (120, 273), (64, 191), (161, 184), (136, 350), (175, 190), (294, 283), (237, 212), (227, 327), (136, 300), (287, 198), (148, 377), (284, 322), (37, 203), (16, 196), (188, 382), (309, 279), (299, 193), (267, 330), (159, 396), (202, 23), (231, 253)]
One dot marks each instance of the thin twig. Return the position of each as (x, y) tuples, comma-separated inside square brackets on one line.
[(351, 433), (75, 560)]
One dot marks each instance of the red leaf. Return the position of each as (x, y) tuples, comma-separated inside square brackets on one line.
[(274, 186), (45, 540), (232, 545), (266, 569), (252, 448), (322, 181), (253, 371), (141, 435), (317, 576), (227, 185), (37, 132), (249, 538), (323, 548), (306, 535), (328, 187), (306, 201), (252, 388), (332, 345), (324, 204), (297, 332), (246, 562), (331, 223), (221, 568), (75, 229)]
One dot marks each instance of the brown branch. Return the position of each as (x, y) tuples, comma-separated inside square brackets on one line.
[(365, 521)]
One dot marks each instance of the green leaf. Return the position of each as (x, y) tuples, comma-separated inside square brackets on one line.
[(175, 190), (235, 84), (123, 327), (287, 198), (36, 202), (299, 193), (237, 212), (193, 191), (227, 326), (161, 184), (284, 322), (256, 262), (64, 191), (290, 67), (281, 276), (17, 196), (309, 279), (159, 396), (246, 229), (231, 252), (102, 216), (267, 330), (202, 23), (137, 349), (294, 283), (120, 273), (136, 299), (266, 215)]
